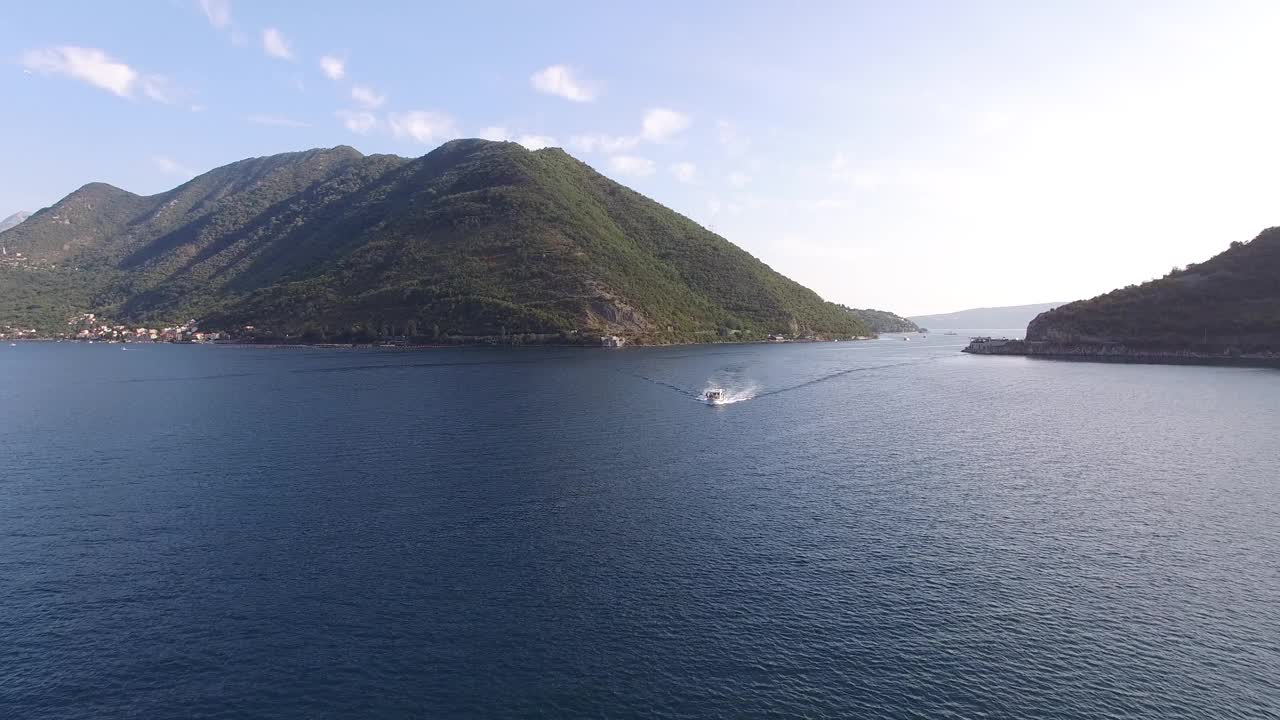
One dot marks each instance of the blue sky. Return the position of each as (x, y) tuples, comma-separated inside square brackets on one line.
[(913, 156)]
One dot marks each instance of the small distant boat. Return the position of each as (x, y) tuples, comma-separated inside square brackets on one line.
[(948, 333), (714, 396), (907, 339)]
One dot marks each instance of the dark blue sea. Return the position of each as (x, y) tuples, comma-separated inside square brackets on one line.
[(882, 529)]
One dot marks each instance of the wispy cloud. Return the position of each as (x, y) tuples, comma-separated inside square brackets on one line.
[(738, 179), (685, 172), (276, 121), (96, 68), (422, 126), (604, 143), (161, 89), (842, 170), (333, 67), (731, 139), (495, 133), (218, 12), (358, 121), (992, 122), (839, 162), (562, 81), (631, 165), (88, 65), (661, 125), (169, 166), (536, 142), (368, 97), (275, 44), (829, 202)]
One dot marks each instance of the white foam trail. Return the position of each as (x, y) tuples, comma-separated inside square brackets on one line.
[(730, 394)]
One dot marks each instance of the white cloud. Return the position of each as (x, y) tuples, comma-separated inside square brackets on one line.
[(731, 139), (239, 39), (631, 165), (561, 80), (839, 163), (275, 45), (367, 96), (992, 122), (218, 12), (714, 206), (842, 170), (422, 126), (660, 124), (169, 166), (277, 121), (88, 65), (358, 121), (333, 67), (604, 143), (685, 172), (495, 133), (536, 142), (738, 179), (95, 67), (867, 180), (160, 89), (829, 202)]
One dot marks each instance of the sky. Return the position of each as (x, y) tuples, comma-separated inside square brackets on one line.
[(918, 157)]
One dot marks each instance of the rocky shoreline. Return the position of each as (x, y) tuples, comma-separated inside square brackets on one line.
[(1120, 353)]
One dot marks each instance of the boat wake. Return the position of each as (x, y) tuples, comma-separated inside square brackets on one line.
[(728, 387), (722, 389), (719, 394)]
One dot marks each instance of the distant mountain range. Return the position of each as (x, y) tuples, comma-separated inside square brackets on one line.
[(1229, 303), (474, 240), (1013, 316), (14, 220)]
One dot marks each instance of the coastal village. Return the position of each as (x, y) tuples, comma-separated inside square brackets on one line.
[(88, 326)]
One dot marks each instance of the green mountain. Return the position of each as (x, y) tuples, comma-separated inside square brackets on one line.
[(883, 321), (1230, 302), (475, 239)]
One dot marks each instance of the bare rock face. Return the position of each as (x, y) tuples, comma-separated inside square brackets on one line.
[(14, 220)]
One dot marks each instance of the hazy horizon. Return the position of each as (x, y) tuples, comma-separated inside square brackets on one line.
[(921, 158)]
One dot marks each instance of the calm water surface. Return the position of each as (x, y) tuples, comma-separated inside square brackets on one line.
[(884, 529)]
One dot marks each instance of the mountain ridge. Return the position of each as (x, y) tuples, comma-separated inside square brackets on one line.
[(883, 321), (1228, 303), (474, 239), (14, 220), (1004, 316)]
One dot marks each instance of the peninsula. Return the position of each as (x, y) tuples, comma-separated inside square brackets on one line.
[(1225, 310)]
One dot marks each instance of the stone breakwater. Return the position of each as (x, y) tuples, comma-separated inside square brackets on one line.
[(1119, 352)]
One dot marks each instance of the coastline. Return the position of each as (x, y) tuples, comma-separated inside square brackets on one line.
[(274, 345), (1119, 353)]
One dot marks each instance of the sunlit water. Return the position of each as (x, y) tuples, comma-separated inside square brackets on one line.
[(877, 529)]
